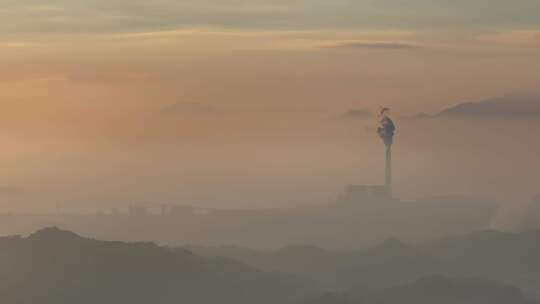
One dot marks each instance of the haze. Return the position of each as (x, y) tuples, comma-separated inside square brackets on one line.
[(239, 103)]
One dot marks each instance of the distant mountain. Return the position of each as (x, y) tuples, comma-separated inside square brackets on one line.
[(56, 266), (430, 290), (507, 257), (498, 107)]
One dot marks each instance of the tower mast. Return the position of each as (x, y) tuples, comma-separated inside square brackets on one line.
[(386, 132), (388, 169)]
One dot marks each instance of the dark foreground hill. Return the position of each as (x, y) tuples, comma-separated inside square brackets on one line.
[(430, 290), (55, 266)]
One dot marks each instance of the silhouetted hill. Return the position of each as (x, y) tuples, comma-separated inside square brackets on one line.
[(55, 266), (54, 236), (505, 107), (430, 290)]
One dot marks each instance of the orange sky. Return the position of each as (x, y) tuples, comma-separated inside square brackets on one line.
[(85, 88)]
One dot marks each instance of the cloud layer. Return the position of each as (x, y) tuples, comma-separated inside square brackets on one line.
[(376, 45), (136, 15)]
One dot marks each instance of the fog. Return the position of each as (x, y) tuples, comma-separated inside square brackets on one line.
[(230, 151), (272, 160)]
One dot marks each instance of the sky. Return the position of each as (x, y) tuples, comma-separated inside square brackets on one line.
[(237, 103)]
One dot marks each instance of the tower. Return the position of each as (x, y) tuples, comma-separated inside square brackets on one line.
[(388, 169), (386, 132)]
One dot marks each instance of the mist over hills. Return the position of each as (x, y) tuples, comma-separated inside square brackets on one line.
[(428, 290), (327, 225), (270, 152), (389, 263), (56, 266), (507, 257)]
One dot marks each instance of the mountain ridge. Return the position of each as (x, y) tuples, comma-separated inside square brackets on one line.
[(506, 106), (62, 267)]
